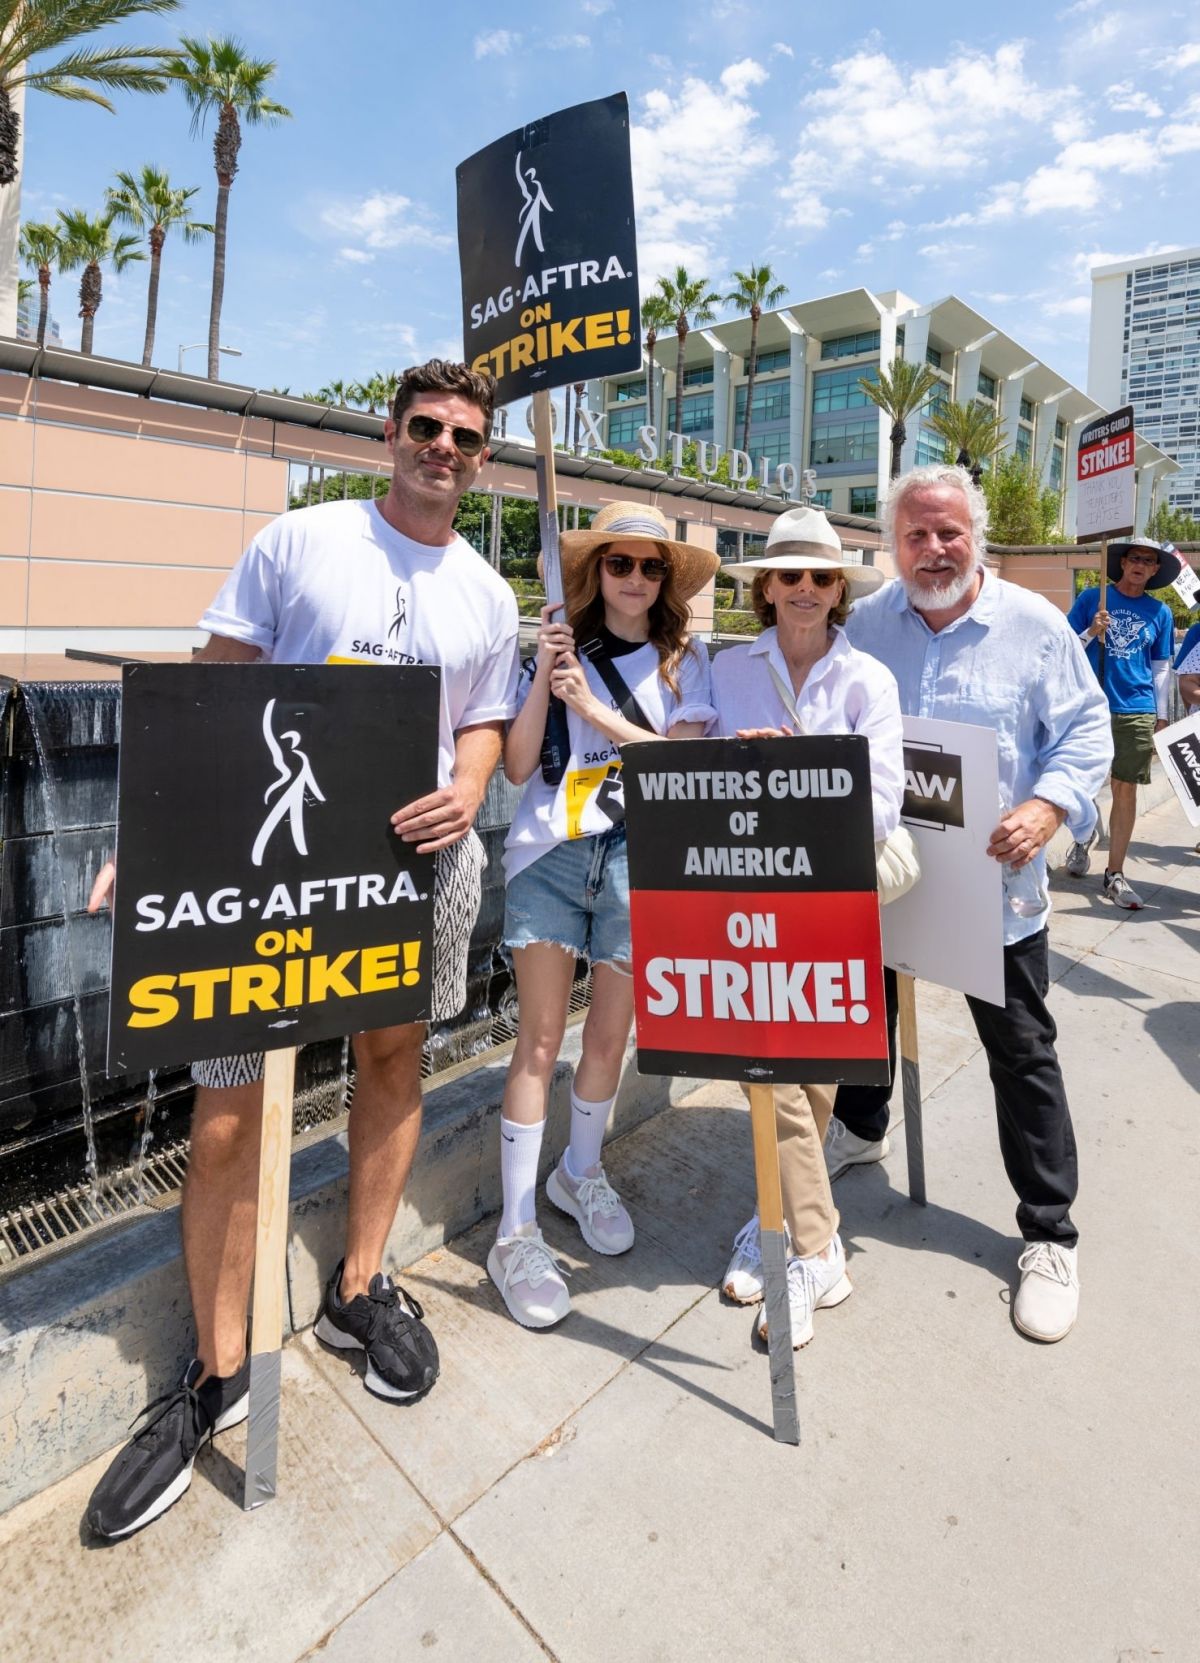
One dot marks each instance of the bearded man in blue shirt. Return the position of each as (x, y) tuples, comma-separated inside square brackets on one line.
[(1139, 638), (964, 646)]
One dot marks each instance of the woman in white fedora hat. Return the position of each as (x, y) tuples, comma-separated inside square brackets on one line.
[(801, 675), (625, 669)]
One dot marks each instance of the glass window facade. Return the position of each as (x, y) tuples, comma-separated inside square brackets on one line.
[(697, 414), (863, 499), (987, 384), (849, 346), (774, 446), (839, 389), (1026, 409), (933, 356), (930, 448), (1024, 443), (779, 358), (628, 390), (623, 426), (699, 376), (772, 403), (1056, 468), (845, 441), (822, 499)]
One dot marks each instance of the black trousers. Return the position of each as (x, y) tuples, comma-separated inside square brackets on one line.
[(1037, 1139)]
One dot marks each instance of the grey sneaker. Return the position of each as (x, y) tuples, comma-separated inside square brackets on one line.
[(845, 1148), (1121, 893), (1078, 855)]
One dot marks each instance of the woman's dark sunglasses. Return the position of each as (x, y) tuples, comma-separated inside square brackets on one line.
[(821, 579), (620, 565), (423, 430)]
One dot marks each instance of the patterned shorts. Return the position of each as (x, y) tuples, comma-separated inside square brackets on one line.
[(457, 891)]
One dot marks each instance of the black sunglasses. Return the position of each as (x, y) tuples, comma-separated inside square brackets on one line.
[(1142, 559), (620, 565), (423, 430), (821, 579)]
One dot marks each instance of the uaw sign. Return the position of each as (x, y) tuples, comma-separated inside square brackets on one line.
[(548, 252), (262, 898), (1104, 495), (756, 950), (1178, 749)]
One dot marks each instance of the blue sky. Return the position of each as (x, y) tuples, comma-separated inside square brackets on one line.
[(845, 145)]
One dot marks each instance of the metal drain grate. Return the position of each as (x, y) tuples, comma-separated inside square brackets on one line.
[(43, 1224)]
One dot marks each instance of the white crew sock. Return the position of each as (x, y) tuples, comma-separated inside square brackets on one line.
[(589, 1121), (520, 1147)]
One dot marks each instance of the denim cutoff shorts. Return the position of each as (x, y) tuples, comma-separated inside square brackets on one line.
[(575, 896)]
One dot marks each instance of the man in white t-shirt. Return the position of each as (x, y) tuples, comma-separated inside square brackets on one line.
[(383, 582)]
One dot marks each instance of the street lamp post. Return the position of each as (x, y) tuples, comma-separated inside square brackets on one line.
[(229, 351)]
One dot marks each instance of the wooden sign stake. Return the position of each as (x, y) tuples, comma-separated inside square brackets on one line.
[(270, 1264), (910, 1075), (1103, 604), (774, 1260)]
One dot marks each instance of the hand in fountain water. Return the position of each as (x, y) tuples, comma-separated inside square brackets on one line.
[(102, 888)]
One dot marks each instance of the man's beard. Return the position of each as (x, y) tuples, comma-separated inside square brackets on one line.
[(943, 596)]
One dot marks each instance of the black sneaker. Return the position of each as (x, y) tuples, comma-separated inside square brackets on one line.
[(155, 1467), (402, 1357)]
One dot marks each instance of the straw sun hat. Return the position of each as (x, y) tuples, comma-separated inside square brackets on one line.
[(691, 565), (802, 540)]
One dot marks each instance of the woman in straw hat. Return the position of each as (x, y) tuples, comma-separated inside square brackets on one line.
[(624, 668), (801, 675)]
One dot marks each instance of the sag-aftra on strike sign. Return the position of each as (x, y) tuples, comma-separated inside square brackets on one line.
[(756, 951), (262, 898)]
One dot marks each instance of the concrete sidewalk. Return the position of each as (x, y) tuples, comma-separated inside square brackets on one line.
[(610, 1491)]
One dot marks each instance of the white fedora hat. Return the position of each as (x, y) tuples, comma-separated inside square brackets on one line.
[(802, 540)]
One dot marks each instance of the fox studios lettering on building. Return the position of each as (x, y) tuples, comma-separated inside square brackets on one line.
[(756, 945), (262, 897)]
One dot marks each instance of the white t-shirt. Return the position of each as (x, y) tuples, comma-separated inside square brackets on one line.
[(335, 584), (592, 784), (846, 691)]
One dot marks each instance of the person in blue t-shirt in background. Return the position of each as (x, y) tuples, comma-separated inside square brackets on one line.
[(1187, 668), (1139, 639)]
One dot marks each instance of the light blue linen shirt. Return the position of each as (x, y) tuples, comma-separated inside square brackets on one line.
[(1010, 663)]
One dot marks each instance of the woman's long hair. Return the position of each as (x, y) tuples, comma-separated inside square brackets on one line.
[(668, 614)]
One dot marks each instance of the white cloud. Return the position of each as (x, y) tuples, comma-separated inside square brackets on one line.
[(1076, 124), (569, 43), (865, 250), (497, 43), (781, 49), (740, 77), (1073, 180), (1082, 265), (596, 8), (1123, 96), (877, 118), (945, 252), (693, 151), (357, 256), (380, 220), (1075, 306), (1183, 57), (1178, 137)]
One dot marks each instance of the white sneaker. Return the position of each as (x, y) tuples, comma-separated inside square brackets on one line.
[(529, 1277), (813, 1285), (1079, 855), (1047, 1301), (845, 1148), (743, 1280), (1124, 894), (594, 1205)]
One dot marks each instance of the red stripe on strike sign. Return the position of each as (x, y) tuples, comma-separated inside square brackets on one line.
[(758, 974)]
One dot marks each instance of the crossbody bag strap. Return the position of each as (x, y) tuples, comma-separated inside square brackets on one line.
[(617, 686), (787, 697)]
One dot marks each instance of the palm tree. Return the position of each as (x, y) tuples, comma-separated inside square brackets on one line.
[(900, 392), (336, 393), (389, 387), (90, 243), (974, 431), (42, 247), (31, 27), (753, 290), (150, 201), (371, 392), (685, 296), (216, 75), (656, 315)]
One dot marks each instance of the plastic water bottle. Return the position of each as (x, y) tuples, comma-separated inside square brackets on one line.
[(1024, 889)]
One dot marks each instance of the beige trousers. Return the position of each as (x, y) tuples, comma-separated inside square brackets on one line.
[(801, 1117)]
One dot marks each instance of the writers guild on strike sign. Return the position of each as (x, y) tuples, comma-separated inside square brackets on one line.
[(548, 252), (756, 949), (262, 898)]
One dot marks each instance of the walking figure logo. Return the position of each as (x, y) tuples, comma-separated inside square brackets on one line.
[(530, 216), (401, 617), (295, 773)]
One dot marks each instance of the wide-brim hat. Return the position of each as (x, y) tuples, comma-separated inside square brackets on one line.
[(1169, 563), (691, 565), (802, 540)]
